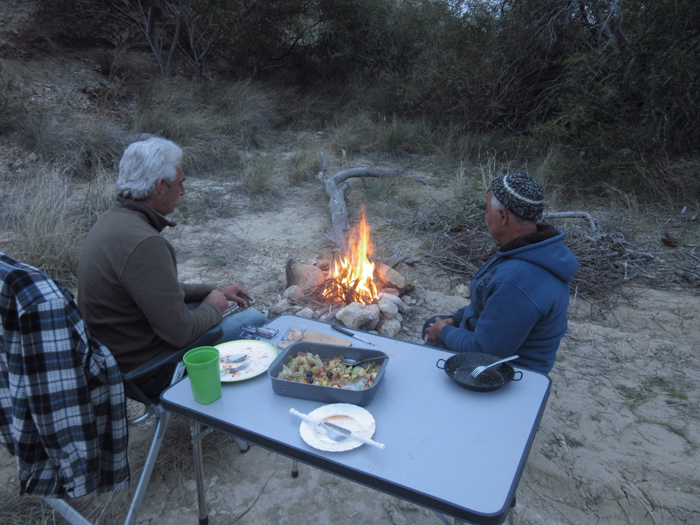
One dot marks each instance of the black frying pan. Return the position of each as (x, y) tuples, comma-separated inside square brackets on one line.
[(459, 368)]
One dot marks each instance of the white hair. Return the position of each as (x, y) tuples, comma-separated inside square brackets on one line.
[(143, 163), (495, 203)]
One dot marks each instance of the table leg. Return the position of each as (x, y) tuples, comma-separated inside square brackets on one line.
[(195, 431), (295, 468)]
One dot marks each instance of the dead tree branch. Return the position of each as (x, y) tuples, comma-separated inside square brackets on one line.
[(572, 215), (335, 187)]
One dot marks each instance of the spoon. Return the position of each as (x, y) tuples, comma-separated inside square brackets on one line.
[(353, 362)]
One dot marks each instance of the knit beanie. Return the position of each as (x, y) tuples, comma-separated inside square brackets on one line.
[(519, 193)]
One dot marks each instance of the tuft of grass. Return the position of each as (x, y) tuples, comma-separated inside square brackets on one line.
[(409, 137), (358, 134), (24, 510), (49, 221), (304, 165), (79, 147), (48, 235), (259, 176), (456, 145), (494, 166), (211, 122)]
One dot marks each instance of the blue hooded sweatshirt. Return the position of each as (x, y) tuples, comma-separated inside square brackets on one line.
[(519, 303)]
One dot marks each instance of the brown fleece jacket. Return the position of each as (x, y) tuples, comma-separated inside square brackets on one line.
[(128, 290)]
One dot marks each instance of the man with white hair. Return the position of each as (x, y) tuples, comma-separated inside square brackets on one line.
[(520, 298), (128, 288)]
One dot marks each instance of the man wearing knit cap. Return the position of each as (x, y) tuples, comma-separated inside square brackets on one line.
[(520, 297)]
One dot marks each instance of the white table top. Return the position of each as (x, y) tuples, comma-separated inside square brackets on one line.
[(450, 449)]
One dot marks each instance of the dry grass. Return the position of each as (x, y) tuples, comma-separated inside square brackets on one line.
[(48, 221), (211, 122), (356, 135), (77, 146), (412, 136), (304, 165), (260, 176), (24, 510)]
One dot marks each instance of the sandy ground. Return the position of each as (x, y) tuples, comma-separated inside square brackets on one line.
[(618, 442)]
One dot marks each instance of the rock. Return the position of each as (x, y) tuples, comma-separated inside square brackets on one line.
[(295, 293), (303, 275), (356, 315), (389, 327), (373, 323), (391, 291), (282, 306), (388, 308), (391, 278), (403, 307), (308, 313), (435, 303), (462, 290)]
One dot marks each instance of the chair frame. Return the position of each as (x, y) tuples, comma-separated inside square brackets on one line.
[(152, 408)]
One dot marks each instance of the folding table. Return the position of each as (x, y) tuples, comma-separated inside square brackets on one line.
[(458, 452)]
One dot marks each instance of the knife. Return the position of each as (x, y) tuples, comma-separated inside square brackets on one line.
[(338, 429), (351, 334), (351, 435)]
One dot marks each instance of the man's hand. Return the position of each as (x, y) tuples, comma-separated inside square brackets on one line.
[(235, 292), (218, 298), (432, 333)]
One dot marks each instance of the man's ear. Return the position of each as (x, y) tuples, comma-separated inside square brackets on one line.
[(503, 216), (160, 186)]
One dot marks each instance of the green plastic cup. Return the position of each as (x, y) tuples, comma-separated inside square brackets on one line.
[(203, 370)]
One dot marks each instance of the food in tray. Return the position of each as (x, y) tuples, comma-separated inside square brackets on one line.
[(310, 368)]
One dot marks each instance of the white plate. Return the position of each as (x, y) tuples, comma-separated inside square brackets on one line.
[(260, 357), (345, 415)]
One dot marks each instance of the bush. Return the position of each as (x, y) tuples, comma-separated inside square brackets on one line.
[(304, 165), (260, 174), (77, 146)]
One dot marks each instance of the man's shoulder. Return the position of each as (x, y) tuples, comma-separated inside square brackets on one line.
[(120, 222)]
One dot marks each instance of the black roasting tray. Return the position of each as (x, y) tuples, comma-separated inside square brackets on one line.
[(325, 394)]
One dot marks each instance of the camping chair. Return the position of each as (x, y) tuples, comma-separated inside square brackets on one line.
[(152, 408)]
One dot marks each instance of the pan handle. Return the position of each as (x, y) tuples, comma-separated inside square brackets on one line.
[(443, 366), (519, 377)]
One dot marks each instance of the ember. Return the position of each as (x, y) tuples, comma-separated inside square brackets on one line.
[(351, 273)]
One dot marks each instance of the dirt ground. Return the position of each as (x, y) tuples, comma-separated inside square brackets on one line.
[(618, 442)]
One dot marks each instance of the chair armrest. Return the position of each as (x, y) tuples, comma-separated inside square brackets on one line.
[(171, 356)]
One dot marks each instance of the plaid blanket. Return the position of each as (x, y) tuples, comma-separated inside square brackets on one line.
[(62, 405)]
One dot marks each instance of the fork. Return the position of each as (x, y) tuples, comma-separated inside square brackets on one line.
[(481, 368)]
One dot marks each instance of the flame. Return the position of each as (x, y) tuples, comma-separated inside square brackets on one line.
[(352, 269)]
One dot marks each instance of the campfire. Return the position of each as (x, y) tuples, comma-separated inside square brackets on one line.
[(351, 275), (350, 289)]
